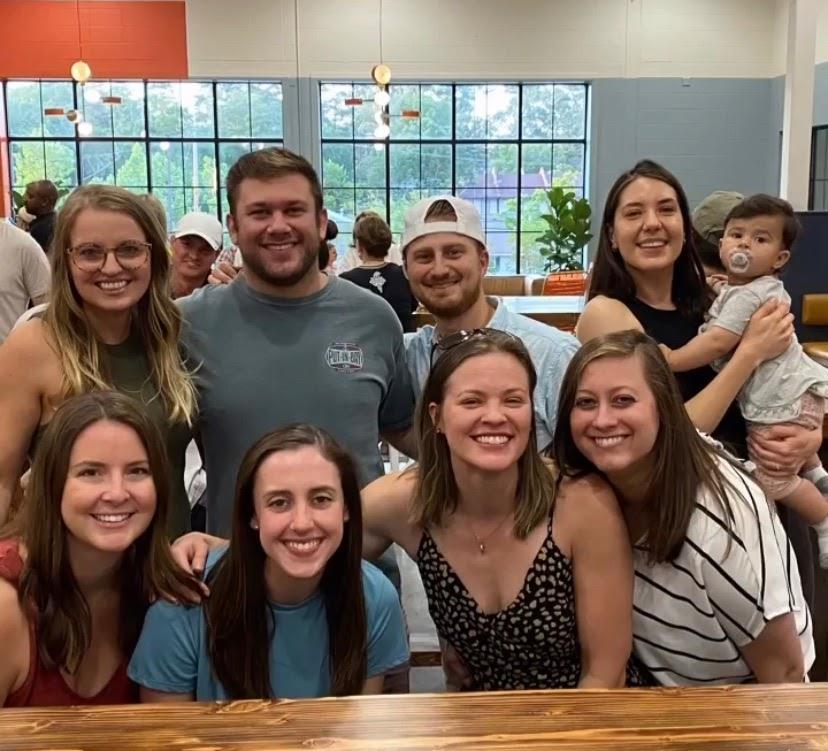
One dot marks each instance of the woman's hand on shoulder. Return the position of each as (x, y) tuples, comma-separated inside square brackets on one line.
[(604, 315), (190, 551)]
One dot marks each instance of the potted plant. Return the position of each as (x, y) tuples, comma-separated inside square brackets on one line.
[(561, 245)]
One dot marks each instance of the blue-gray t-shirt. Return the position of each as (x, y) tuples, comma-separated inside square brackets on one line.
[(171, 654), (335, 359)]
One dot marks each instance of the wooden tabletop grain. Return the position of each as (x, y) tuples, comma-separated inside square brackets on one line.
[(753, 718)]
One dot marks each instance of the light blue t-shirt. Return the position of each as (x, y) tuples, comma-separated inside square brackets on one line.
[(550, 349), (171, 654)]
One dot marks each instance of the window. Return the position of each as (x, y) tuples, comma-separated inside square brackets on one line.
[(818, 194), (496, 145), (174, 138)]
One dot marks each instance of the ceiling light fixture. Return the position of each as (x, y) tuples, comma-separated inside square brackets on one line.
[(80, 70)]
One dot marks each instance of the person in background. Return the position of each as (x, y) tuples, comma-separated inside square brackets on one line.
[(718, 597), (378, 275), (89, 552), (351, 259), (759, 234), (445, 257), (708, 227), (24, 277), (110, 324), (196, 243), (294, 611), (40, 200), (647, 276), (327, 249)]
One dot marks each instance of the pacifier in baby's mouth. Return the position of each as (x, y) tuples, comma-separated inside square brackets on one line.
[(738, 262)]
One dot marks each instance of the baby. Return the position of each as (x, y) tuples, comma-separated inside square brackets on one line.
[(792, 388)]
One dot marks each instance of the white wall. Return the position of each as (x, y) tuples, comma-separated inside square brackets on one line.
[(488, 38)]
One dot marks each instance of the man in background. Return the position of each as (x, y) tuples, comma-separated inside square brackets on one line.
[(40, 200), (196, 243)]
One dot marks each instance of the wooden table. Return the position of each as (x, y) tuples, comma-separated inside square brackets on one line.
[(561, 311), (752, 718)]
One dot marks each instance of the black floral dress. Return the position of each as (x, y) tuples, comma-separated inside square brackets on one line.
[(530, 644)]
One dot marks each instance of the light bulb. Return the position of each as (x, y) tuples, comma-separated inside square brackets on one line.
[(381, 74), (382, 98), (81, 71), (382, 131), (164, 145), (85, 129), (93, 96)]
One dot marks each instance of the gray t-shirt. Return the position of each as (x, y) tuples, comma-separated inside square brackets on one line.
[(773, 392), (24, 275), (335, 360)]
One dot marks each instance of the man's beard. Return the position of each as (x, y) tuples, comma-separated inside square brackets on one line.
[(259, 269), (453, 309)]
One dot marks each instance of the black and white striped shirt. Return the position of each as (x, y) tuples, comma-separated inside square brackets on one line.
[(692, 615)]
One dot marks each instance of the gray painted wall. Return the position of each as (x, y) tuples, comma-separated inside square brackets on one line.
[(820, 94), (714, 134)]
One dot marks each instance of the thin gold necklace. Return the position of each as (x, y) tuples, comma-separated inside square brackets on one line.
[(481, 542)]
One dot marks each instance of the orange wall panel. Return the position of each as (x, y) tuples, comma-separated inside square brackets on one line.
[(39, 38)]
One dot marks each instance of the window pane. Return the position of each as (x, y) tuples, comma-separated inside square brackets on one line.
[(164, 101), (229, 154), (568, 164), (131, 166), (401, 200), (502, 250), (337, 117), (471, 112), (199, 164), (233, 110), (266, 110), (404, 98), (405, 166), (197, 110), (96, 113), (531, 260), (25, 111), (369, 165), (167, 169), (570, 110), (341, 201), (370, 200), (27, 163), (337, 164), (471, 165), (537, 163), (435, 112), (97, 162), (61, 164), (502, 112), (173, 200), (364, 122), (538, 111), (201, 199), (57, 94), (128, 116), (436, 166)]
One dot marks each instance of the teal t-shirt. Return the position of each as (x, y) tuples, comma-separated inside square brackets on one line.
[(171, 654)]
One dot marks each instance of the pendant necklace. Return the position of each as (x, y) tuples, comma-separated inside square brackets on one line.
[(481, 541)]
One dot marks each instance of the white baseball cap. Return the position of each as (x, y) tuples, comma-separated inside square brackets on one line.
[(203, 225), (468, 221)]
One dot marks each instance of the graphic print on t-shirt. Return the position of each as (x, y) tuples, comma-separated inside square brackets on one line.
[(377, 280), (344, 357)]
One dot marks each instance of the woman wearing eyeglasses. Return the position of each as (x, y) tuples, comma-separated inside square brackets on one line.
[(528, 577), (110, 323)]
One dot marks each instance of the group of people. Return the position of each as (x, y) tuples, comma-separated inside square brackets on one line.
[(572, 521)]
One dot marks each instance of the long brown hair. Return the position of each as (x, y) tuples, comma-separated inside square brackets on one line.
[(156, 316), (48, 590), (436, 492), (240, 625), (609, 275), (684, 463)]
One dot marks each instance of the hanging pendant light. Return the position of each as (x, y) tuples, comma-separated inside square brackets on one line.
[(80, 70)]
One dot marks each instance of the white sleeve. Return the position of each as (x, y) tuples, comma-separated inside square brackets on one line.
[(755, 580)]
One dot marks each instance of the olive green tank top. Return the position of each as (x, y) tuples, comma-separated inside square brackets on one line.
[(129, 372)]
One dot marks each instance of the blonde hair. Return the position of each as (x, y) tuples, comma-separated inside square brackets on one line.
[(156, 317)]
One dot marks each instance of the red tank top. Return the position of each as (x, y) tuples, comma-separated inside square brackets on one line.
[(44, 686)]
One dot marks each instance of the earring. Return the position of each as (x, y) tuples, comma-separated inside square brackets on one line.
[(437, 431), (254, 524)]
